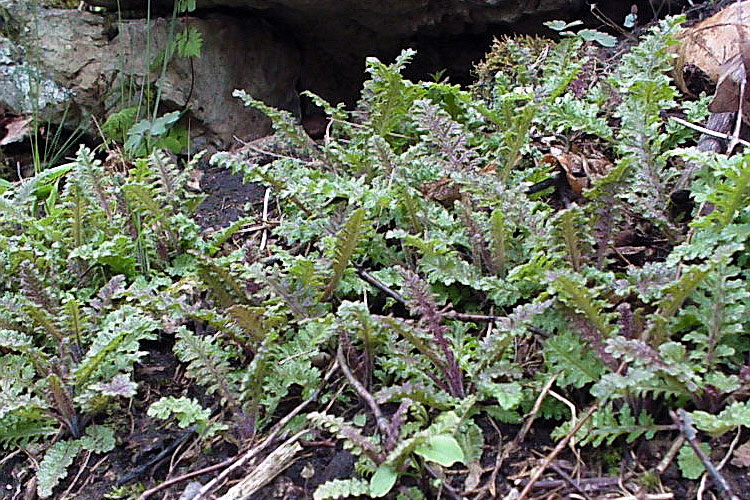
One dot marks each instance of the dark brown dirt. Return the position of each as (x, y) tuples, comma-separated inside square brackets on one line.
[(227, 198)]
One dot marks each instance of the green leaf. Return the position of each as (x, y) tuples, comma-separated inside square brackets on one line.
[(576, 364), (733, 416), (346, 243), (441, 449), (118, 124), (160, 125), (54, 466), (382, 481), (580, 298), (98, 439), (189, 42), (186, 411), (689, 463), (508, 394), (341, 488), (595, 36), (182, 6), (558, 25)]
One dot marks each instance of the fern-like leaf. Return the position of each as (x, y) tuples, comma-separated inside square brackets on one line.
[(208, 363), (341, 488), (91, 174), (75, 204), (221, 237), (116, 346), (575, 364), (606, 425), (54, 466), (26, 426), (388, 95), (347, 241), (498, 236), (580, 299), (568, 223), (220, 281), (674, 295)]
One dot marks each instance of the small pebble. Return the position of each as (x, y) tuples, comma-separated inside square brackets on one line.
[(191, 490)]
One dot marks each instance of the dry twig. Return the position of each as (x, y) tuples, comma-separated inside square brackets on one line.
[(707, 131), (721, 465), (238, 461), (569, 480), (560, 446), (262, 474)]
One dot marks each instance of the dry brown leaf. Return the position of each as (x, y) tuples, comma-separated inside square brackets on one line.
[(742, 456), (712, 43), (194, 181), (726, 98), (444, 191), (579, 170), (16, 128)]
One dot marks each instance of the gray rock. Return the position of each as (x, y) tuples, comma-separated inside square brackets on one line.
[(67, 65), (335, 36), (237, 54), (191, 490)]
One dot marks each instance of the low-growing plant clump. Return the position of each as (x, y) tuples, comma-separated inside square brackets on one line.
[(445, 264)]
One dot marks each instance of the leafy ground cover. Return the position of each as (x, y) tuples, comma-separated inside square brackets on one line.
[(472, 293)]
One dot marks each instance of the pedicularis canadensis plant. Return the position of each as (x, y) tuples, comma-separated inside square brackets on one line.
[(412, 251)]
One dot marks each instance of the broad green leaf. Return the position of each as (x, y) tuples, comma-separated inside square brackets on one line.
[(441, 449), (382, 481), (558, 25), (689, 463), (595, 36)]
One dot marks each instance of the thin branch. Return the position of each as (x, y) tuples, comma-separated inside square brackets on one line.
[(589, 483), (372, 280), (655, 496), (80, 471), (669, 457), (508, 449), (139, 471), (708, 131), (721, 465), (534, 411), (560, 446), (239, 460), (569, 480), (380, 420), (682, 420), (452, 492), (185, 477)]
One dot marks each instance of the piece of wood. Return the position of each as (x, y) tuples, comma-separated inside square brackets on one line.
[(273, 465)]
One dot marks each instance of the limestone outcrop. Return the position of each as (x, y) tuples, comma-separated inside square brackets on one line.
[(70, 65)]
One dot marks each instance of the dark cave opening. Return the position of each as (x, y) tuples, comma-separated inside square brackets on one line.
[(336, 71)]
